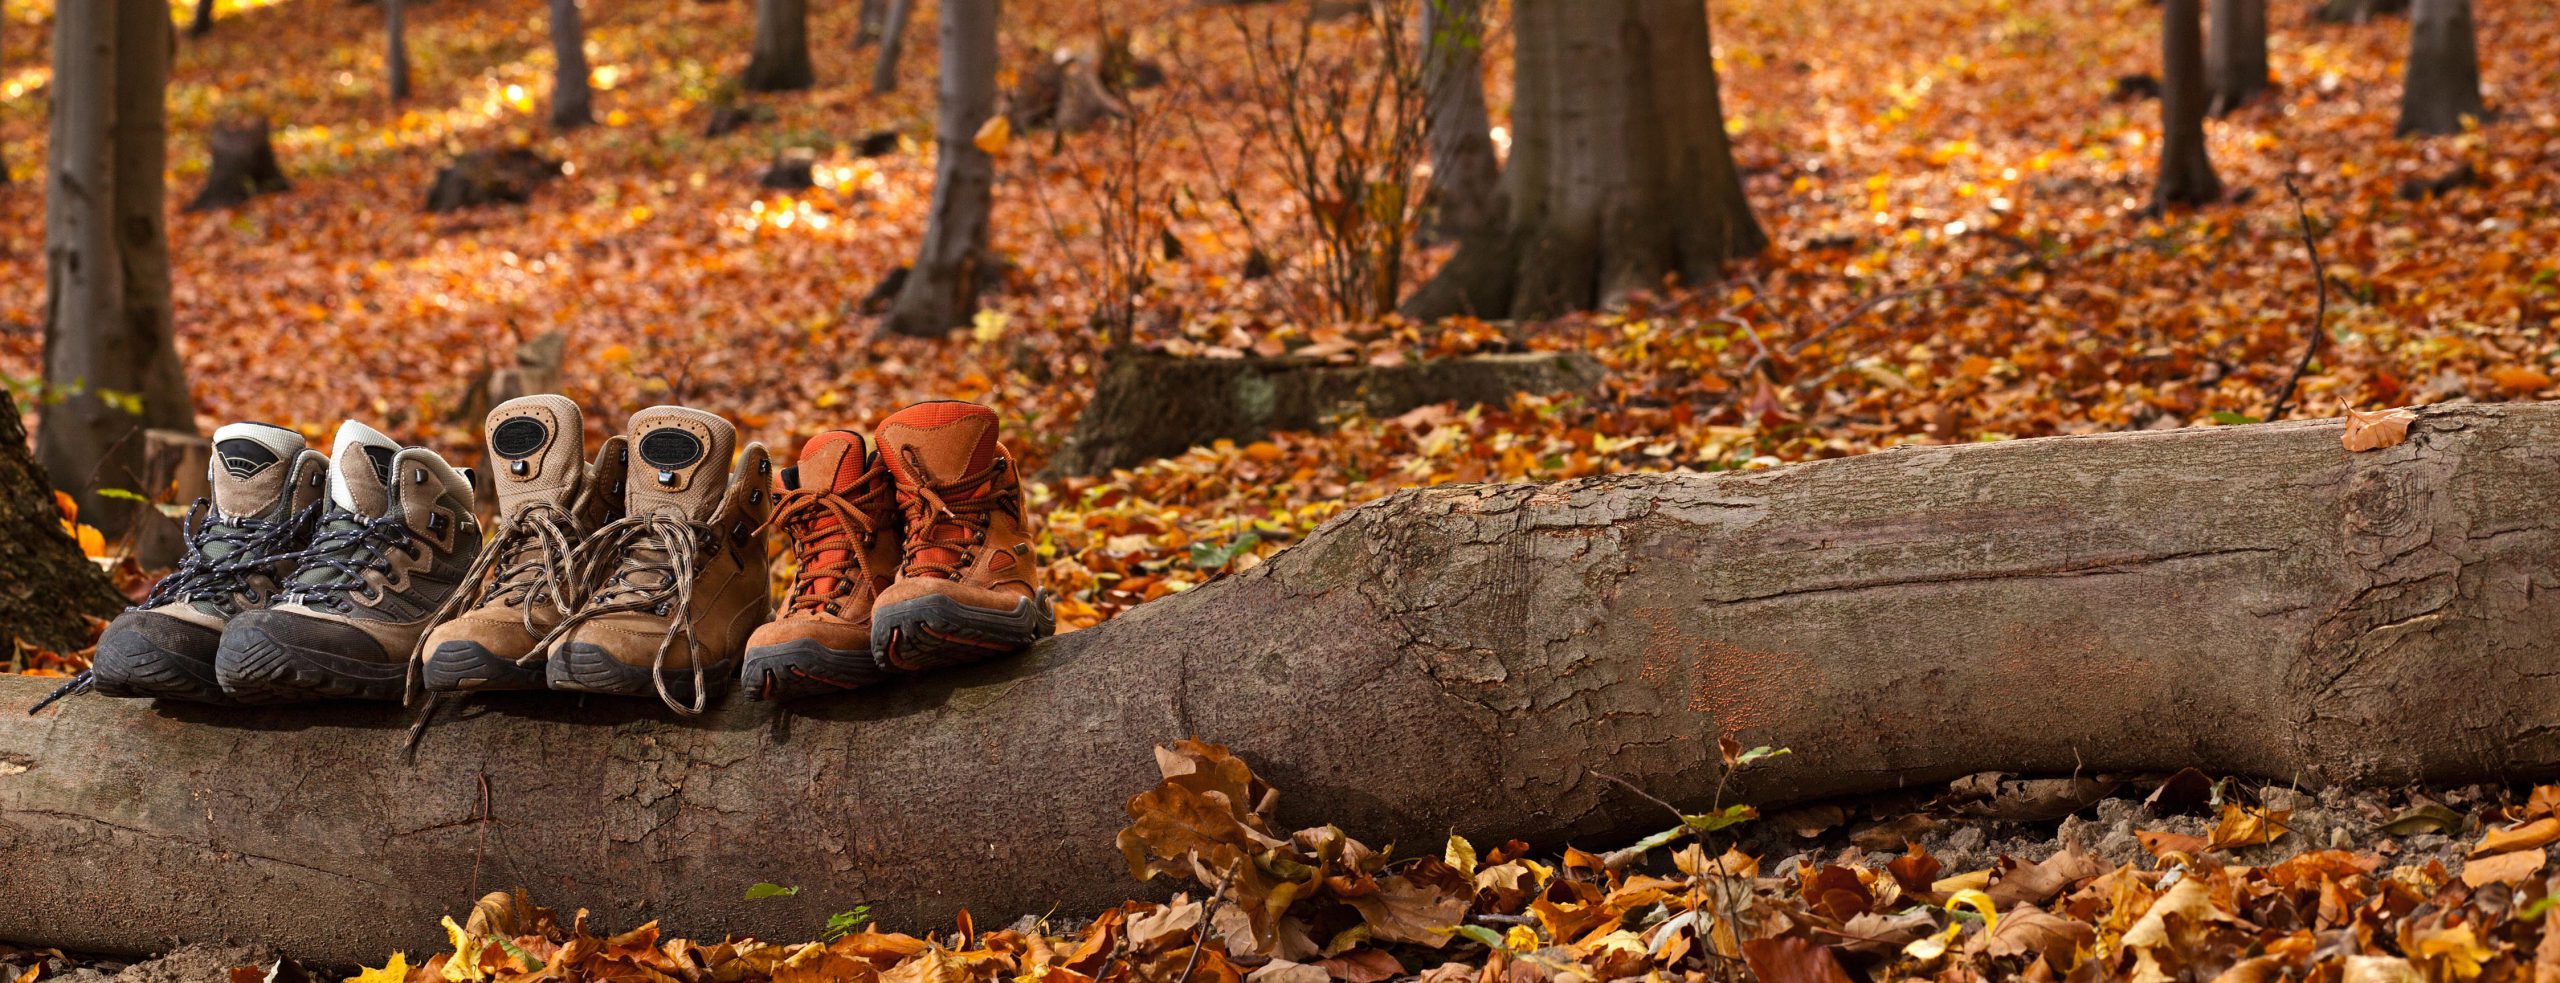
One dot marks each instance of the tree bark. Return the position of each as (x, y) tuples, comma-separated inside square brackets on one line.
[(202, 24), (47, 587), (780, 60), (1466, 176), (2186, 174), (950, 268), (868, 22), (572, 99), (111, 360), (2442, 84), (2236, 64), (395, 51), (893, 43), (2246, 600), (1620, 173), (2357, 11)]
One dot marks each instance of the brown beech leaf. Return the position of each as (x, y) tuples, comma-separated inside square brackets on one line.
[(2378, 429)]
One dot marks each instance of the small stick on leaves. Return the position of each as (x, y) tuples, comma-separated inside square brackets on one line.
[(2320, 313)]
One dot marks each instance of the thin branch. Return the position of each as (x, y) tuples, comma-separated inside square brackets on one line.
[(2320, 313)]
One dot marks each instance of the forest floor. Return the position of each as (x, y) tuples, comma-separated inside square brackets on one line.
[(1963, 253)]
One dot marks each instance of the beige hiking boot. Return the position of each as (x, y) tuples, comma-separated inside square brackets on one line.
[(678, 582), (488, 635)]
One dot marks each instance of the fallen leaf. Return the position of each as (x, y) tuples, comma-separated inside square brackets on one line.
[(2377, 430), (2504, 868), (1789, 959)]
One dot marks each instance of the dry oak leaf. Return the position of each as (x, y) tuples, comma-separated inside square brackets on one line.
[(2378, 429), (2034, 884)]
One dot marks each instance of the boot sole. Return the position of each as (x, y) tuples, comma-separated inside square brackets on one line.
[(469, 667), (257, 669), (578, 667), (793, 670), (933, 633), (132, 666)]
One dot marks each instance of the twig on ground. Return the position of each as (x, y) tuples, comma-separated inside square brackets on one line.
[(1200, 933), (2320, 312)]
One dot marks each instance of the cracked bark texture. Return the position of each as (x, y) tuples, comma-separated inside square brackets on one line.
[(2249, 600)]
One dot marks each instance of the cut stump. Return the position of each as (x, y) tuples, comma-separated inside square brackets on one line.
[(1150, 405)]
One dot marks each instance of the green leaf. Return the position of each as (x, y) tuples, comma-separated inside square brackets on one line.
[(1659, 840), (1733, 815), (1207, 557), (1763, 751), (123, 494), (2428, 818), (2537, 908), (1490, 938), (844, 923), (768, 889), (2228, 418)]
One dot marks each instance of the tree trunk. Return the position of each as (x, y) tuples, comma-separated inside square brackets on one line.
[(2357, 11), (2236, 64), (203, 22), (47, 587), (395, 52), (2186, 175), (572, 99), (869, 22), (780, 60), (2442, 85), (2247, 600), (950, 268), (1466, 177), (893, 42), (110, 355), (1620, 173)]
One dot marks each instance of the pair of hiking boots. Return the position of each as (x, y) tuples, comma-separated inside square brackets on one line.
[(913, 547), (305, 576), (640, 574)]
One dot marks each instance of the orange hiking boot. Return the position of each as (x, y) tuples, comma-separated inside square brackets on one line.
[(840, 508), (967, 586), (488, 634), (678, 582)]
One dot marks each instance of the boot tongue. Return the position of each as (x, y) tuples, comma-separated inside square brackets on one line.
[(360, 469), (253, 470), (537, 444), (835, 461), (931, 445), (679, 462), (939, 442)]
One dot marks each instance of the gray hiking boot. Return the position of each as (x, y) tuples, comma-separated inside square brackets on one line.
[(266, 489), (394, 541)]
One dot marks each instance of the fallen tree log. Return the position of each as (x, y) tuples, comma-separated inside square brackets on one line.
[(2251, 600)]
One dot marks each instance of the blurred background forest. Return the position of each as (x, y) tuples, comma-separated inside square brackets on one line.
[(1966, 237)]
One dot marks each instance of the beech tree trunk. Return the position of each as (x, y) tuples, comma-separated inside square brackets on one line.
[(2246, 600), (111, 359), (893, 43), (2442, 84), (780, 61), (2358, 11), (950, 269), (46, 585), (868, 22), (395, 52), (1466, 176), (1620, 173), (202, 23), (2236, 62), (572, 98), (2186, 175)]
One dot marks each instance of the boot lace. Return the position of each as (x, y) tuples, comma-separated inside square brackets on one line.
[(930, 512), (653, 560), (824, 582), (533, 560), (347, 548), (228, 557)]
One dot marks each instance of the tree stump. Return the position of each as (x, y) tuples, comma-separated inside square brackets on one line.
[(488, 177), (244, 164), (1148, 404), (47, 587), (794, 169), (176, 471)]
